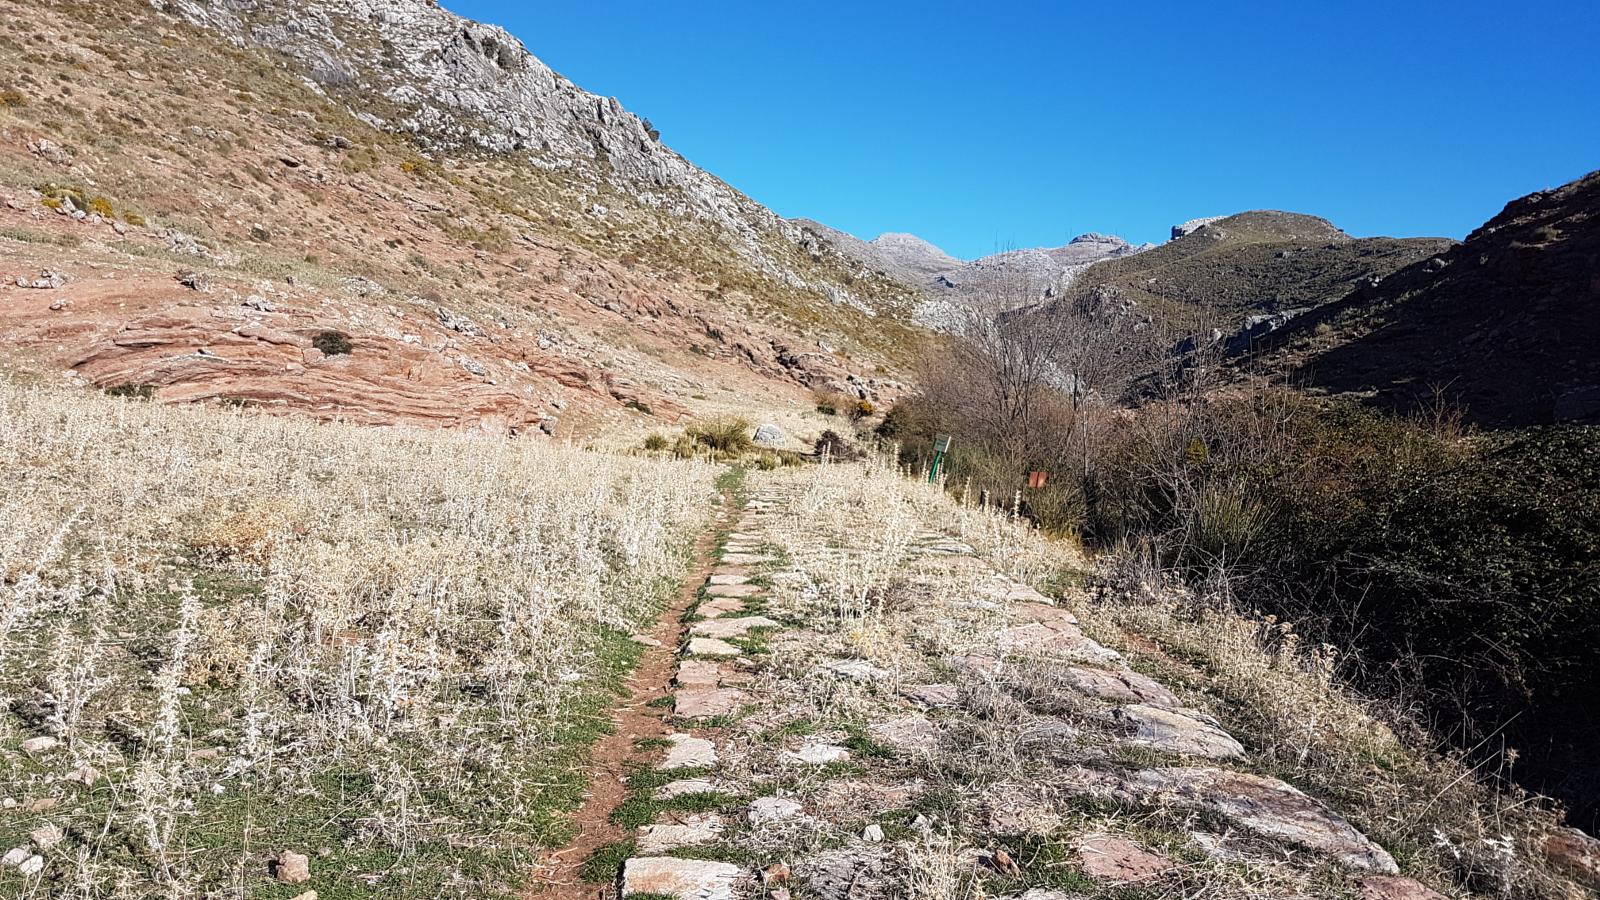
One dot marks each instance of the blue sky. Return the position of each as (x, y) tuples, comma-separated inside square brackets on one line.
[(987, 126)]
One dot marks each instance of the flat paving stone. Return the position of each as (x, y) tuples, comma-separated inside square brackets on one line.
[(773, 809), (708, 702), (744, 559), (727, 628), (705, 646), (1119, 686), (1055, 639), (854, 669), (686, 786), (907, 734), (938, 696), (733, 590), (689, 752), (687, 879), (1116, 860), (699, 673), (1394, 887), (720, 579), (718, 607), (1185, 733), (688, 831), (817, 755)]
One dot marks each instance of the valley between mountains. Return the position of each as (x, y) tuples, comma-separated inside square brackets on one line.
[(419, 480)]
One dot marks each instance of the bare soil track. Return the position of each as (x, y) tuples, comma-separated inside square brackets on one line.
[(557, 876)]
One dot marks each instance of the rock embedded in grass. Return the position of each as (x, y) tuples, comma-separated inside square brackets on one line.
[(47, 836), (36, 745), (1265, 806), (817, 755), (1117, 861), (292, 868), (1118, 686)]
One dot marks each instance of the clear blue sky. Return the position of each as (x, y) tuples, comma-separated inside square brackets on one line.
[(990, 125)]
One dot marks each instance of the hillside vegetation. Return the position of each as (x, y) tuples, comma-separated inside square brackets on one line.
[(1258, 262), (224, 636)]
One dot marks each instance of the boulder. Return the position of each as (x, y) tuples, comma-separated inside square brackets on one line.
[(292, 868), (768, 435)]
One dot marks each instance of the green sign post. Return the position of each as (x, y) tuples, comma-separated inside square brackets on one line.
[(941, 446)]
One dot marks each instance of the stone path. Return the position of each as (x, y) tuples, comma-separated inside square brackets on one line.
[(809, 745)]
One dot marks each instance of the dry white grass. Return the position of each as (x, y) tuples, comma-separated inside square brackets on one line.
[(266, 632)]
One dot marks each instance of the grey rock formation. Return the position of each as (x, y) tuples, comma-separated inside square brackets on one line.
[(413, 67), (1193, 225)]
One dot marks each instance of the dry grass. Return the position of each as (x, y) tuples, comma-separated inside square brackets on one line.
[(388, 649)]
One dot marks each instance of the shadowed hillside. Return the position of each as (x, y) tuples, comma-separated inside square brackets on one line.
[(1505, 324), (1258, 262)]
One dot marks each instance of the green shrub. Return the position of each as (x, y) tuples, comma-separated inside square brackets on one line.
[(12, 98), (333, 343), (639, 406), (725, 437), (132, 391), (655, 442), (836, 447)]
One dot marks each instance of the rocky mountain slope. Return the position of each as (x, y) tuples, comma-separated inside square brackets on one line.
[(1505, 324), (218, 200), (1218, 273)]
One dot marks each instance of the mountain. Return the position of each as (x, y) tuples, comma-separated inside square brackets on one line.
[(1217, 273), (1506, 324), (949, 285), (208, 192), (904, 257)]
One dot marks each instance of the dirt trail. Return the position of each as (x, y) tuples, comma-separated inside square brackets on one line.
[(556, 877)]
